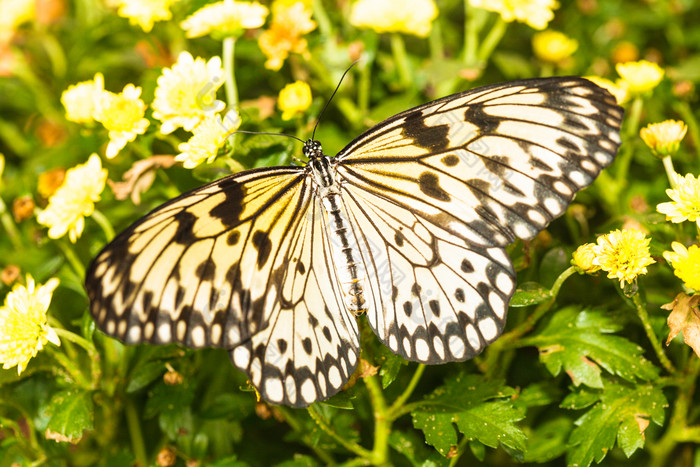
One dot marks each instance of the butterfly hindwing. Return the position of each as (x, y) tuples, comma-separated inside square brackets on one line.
[(435, 296)]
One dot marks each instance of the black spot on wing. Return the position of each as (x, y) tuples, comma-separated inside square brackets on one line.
[(399, 238), (233, 237), (467, 266), (261, 242), (429, 185), (228, 212), (433, 138), (282, 345), (450, 160)]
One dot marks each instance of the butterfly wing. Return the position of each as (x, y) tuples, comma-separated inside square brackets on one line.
[(234, 264), (443, 187)]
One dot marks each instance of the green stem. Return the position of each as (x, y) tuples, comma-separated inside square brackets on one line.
[(633, 117), (437, 48), (8, 223), (670, 171), (229, 72), (135, 433), (72, 368), (491, 40), (656, 345), (475, 20), (382, 424), (678, 431), (321, 422), (494, 350), (76, 339), (72, 258), (401, 400), (402, 64), (689, 118), (104, 224), (325, 26), (299, 428)]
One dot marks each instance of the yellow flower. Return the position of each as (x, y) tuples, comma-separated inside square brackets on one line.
[(79, 99), (24, 327), (207, 138), (535, 13), (623, 254), (685, 204), (289, 23), (641, 76), (686, 264), (618, 89), (293, 99), (225, 18), (583, 259), (665, 137), (144, 13), (14, 13), (122, 115), (186, 93), (553, 46), (410, 17), (74, 199)]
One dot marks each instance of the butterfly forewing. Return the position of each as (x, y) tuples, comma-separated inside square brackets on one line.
[(410, 219)]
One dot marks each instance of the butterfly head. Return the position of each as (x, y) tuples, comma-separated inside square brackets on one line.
[(312, 149)]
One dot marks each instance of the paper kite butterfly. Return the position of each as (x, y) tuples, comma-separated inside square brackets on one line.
[(408, 224)]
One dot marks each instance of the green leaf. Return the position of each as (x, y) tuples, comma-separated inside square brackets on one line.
[(479, 409), (548, 440), (172, 404), (538, 395), (579, 343), (70, 413), (530, 293), (410, 444), (145, 374), (622, 413)]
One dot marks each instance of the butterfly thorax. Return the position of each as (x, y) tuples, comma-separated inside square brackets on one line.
[(347, 258)]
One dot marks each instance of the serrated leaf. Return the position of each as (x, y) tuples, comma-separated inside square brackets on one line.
[(530, 293), (467, 403), (70, 413), (618, 415), (412, 446), (579, 343)]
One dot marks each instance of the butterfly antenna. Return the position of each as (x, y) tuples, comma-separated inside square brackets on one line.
[(264, 133), (318, 120)]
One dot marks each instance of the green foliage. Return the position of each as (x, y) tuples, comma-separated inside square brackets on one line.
[(580, 375)]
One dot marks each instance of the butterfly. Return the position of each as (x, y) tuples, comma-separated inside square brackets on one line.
[(407, 225)]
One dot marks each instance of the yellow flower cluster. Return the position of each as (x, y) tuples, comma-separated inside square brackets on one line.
[(74, 200), (225, 18), (294, 99), (685, 263), (636, 78), (289, 23), (406, 16), (553, 46), (665, 137), (79, 99), (121, 114), (143, 13), (685, 200), (24, 327), (186, 92), (535, 13), (623, 254), (207, 138)]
